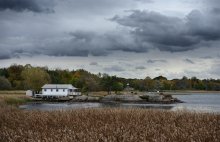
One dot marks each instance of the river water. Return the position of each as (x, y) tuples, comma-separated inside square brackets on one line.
[(193, 102)]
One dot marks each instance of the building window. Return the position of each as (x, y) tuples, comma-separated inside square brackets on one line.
[(45, 90), (57, 90), (51, 90), (63, 90)]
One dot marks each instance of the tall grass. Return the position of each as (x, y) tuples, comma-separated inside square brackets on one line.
[(128, 125), (13, 98), (16, 101)]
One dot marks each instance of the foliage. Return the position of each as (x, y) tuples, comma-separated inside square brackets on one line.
[(106, 83), (14, 72), (28, 77), (117, 86), (35, 78), (4, 84)]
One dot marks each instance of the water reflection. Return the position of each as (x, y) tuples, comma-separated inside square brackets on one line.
[(77, 105)]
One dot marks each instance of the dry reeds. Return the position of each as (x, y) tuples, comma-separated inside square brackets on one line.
[(131, 125)]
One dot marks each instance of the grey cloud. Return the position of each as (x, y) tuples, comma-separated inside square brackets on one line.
[(114, 68), (82, 43), (140, 68), (27, 5), (189, 61), (215, 69), (216, 10), (206, 57), (172, 33), (4, 55), (66, 52), (214, 5), (99, 7), (93, 64), (202, 27), (144, 1), (88, 43), (148, 30), (78, 43), (13, 53), (155, 61)]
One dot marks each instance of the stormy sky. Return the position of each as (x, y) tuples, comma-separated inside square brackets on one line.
[(127, 38)]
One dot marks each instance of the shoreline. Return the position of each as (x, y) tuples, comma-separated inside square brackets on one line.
[(114, 102)]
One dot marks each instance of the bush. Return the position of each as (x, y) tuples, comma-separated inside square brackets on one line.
[(4, 84)]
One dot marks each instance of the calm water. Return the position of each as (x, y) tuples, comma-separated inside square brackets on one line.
[(193, 102)]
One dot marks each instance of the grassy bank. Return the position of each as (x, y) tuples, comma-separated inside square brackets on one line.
[(14, 98), (129, 125), (14, 92)]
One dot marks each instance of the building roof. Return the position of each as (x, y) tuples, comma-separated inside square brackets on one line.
[(61, 86)]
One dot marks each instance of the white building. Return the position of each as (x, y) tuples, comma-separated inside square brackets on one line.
[(59, 90)]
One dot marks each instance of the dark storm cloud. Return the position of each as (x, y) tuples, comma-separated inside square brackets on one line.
[(4, 55), (78, 43), (155, 61), (202, 27), (83, 43), (189, 61), (147, 30), (29, 5), (172, 33)]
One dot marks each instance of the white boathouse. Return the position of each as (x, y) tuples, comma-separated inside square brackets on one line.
[(59, 90)]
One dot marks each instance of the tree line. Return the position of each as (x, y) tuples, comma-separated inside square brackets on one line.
[(19, 77)]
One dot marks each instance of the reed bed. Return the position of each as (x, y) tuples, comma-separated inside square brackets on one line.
[(120, 125)]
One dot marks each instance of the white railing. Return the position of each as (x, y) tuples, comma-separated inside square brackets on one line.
[(74, 93)]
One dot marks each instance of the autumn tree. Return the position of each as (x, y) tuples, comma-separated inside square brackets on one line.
[(35, 78), (14, 73), (149, 84)]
